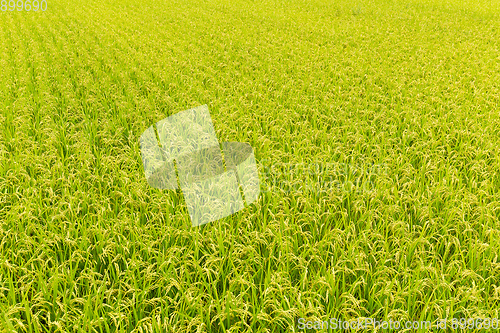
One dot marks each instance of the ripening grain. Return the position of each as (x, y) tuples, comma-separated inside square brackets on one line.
[(87, 246)]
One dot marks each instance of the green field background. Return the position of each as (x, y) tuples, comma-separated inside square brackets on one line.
[(86, 245)]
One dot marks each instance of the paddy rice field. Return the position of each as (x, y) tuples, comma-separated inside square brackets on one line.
[(411, 87)]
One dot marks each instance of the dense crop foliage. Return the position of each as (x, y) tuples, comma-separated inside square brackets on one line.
[(87, 246)]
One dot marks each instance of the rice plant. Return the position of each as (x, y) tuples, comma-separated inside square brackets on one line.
[(86, 245)]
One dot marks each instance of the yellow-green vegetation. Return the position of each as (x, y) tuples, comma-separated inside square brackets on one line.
[(87, 246)]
